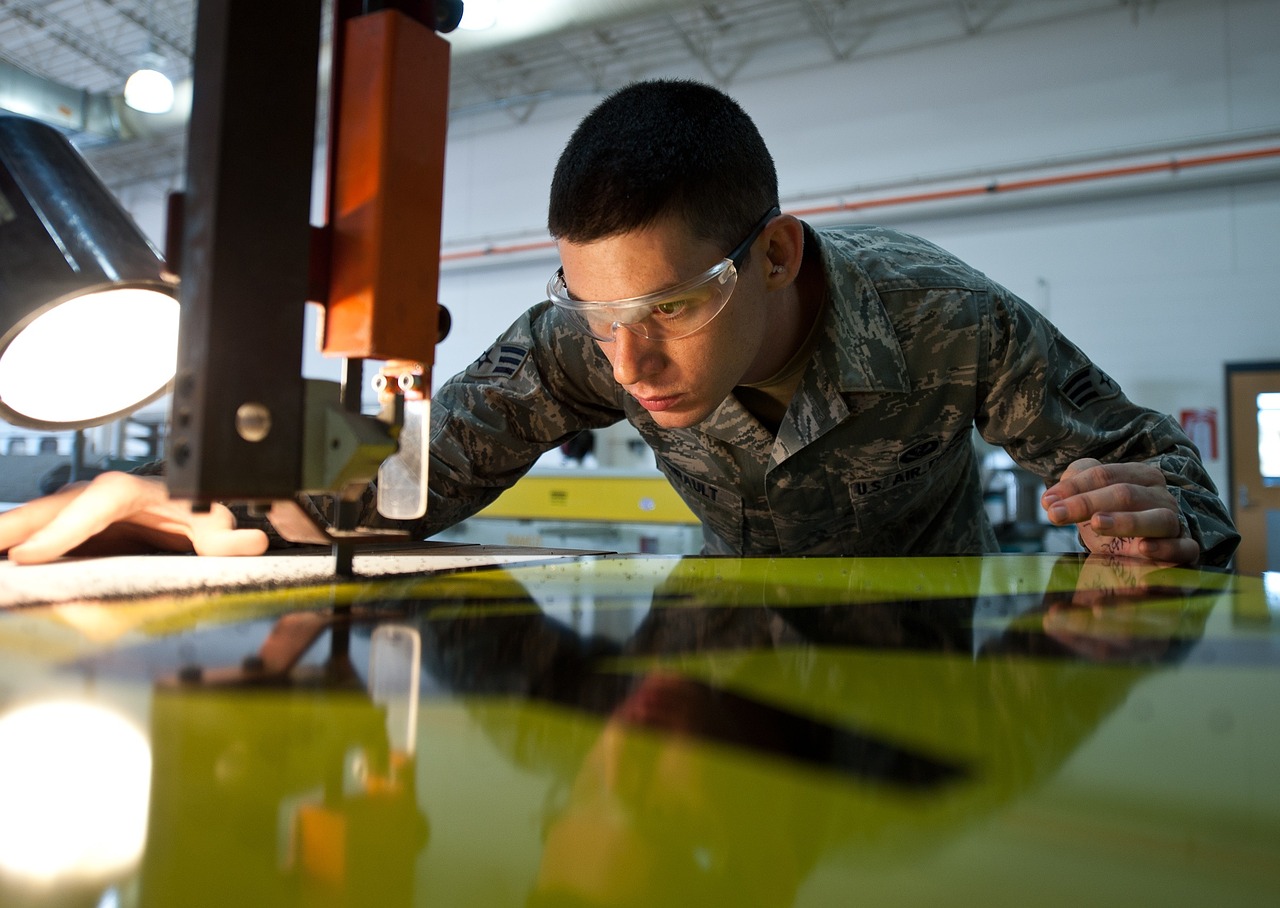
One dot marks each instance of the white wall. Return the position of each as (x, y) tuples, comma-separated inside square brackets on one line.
[(1161, 280)]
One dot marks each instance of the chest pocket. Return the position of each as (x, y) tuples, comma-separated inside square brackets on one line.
[(719, 510), (898, 510), (723, 521)]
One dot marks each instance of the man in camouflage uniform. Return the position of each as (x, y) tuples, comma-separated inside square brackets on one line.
[(874, 454), (890, 352), (809, 392)]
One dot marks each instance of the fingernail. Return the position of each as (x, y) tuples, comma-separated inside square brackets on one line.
[(1058, 513), (1103, 521)]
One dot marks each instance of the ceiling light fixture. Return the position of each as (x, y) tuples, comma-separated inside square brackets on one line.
[(149, 90), (478, 15)]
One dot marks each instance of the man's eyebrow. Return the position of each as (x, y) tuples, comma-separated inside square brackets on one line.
[(572, 295)]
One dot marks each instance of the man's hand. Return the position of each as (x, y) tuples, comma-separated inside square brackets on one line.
[(117, 514), (1121, 509), (1109, 615)]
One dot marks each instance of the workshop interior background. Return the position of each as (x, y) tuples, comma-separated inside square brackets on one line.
[(1114, 162)]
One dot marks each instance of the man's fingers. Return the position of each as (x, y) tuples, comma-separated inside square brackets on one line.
[(1121, 503), (1171, 551), (1088, 476), (115, 513), (1081, 476), (229, 543), (16, 526), (215, 534), (1089, 488), (1156, 522), (1062, 502), (1174, 550), (50, 527), (87, 511), (1121, 509), (1163, 544)]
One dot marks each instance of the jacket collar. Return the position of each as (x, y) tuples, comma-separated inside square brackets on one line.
[(858, 353)]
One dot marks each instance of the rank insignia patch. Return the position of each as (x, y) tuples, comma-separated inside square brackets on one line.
[(501, 360), (1089, 385)]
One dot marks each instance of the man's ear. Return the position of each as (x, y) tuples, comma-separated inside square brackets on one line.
[(784, 252)]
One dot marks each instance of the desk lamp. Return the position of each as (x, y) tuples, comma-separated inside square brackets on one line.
[(88, 317)]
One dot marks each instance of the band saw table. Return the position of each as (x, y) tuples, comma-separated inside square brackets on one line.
[(500, 728)]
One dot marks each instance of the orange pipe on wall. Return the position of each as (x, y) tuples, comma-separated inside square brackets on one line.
[(1172, 165), (1084, 176)]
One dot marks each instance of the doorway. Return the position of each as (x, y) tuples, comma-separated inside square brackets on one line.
[(1253, 426)]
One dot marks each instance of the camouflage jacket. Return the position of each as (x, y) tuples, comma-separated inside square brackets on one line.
[(875, 453)]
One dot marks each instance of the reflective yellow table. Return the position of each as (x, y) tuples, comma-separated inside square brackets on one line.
[(1007, 730)]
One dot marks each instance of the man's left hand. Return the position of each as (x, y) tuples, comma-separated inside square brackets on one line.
[(1121, 509)]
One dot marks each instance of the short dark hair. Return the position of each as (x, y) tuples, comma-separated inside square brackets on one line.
[(658, 148)]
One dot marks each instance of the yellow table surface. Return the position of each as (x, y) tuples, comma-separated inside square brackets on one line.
[(645, 730)]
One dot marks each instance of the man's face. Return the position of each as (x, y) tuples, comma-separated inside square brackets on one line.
[(680, 382)]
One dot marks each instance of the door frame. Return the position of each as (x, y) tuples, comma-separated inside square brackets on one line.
[(1257, 366)]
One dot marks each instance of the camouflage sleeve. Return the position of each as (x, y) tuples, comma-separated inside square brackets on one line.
[(1047, 404), (537, 386)]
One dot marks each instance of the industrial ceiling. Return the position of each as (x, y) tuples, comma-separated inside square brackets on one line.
[(539, 49)]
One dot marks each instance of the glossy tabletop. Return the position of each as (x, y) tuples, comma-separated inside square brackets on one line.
[(1007, 730)]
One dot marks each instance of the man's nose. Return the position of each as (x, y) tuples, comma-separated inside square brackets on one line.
[(634, 357)]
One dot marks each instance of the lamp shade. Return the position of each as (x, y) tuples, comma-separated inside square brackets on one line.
[(88, 319)]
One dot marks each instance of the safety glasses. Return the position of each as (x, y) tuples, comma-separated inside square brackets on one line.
[(667, 314)]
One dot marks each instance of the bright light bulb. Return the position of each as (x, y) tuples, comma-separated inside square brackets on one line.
[(92, 357), (149, 91), (479, 14), (75, 784)]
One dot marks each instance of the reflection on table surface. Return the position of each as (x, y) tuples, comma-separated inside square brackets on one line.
[(652, 731)]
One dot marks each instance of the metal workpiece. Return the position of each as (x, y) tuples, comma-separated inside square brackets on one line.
[(402, 477), (633, 730)]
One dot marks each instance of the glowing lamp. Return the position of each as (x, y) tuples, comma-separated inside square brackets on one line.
[(88, 317), (149, 91)]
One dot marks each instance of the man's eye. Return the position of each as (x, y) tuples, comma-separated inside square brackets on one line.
[(670, 308)]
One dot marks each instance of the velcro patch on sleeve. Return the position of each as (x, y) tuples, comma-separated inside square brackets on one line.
[(1088, 385), (499, 361)]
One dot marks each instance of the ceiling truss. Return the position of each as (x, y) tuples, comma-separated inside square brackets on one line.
[(92, 45)]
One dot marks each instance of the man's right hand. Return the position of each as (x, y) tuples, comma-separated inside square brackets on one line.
[(119, 514)]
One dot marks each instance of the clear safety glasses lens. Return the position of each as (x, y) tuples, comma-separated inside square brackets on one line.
[(669, 314)]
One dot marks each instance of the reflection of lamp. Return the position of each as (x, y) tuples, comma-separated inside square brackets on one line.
[(74, 791), (88, 321)]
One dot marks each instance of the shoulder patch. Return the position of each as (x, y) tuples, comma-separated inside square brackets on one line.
[(501, 360), (1088, 385)]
